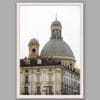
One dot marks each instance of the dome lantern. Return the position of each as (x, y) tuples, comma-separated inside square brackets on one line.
[(56, 29)]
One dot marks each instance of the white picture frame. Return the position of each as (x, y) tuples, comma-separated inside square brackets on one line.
[(81, 59)]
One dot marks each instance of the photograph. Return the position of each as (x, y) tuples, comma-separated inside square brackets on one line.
[(49, 50)]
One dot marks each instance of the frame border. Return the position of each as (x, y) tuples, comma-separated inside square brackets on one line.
[(81, 4)]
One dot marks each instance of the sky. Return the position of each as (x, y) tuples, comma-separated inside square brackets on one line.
[(35, 22)]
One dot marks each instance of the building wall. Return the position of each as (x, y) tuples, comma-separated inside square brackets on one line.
[(44, 76), (71, 82), (48, 76)]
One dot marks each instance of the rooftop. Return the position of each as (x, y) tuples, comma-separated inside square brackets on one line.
[(35, 62)]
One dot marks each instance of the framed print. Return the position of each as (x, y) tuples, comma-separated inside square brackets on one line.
[(49, 50)]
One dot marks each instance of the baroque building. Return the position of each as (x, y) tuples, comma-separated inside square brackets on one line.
[(53, 72)]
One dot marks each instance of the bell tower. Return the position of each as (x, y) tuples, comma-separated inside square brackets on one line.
[(33, 48), (56, 29)]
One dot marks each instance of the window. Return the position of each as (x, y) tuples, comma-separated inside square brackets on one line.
[(33, 50), (38, 69), (67, 80), (71, 65), (59, 34), (68, 73), (26, 71), (26, 90), (38, 78), (27, 62), (26, 79), (50, 69), (39, 61), (38, 90), (50, 77), (50, 90)]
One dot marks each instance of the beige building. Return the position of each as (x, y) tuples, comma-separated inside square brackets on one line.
[(53, 72)]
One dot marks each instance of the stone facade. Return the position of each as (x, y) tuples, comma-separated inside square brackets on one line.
[(55, 79)]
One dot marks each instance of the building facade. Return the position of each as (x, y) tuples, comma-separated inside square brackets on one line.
[(53, 72)]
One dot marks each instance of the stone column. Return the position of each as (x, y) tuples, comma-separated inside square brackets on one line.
[(58, 80)]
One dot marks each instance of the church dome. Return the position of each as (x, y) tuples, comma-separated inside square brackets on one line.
[(33, 41), (57, 47)]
